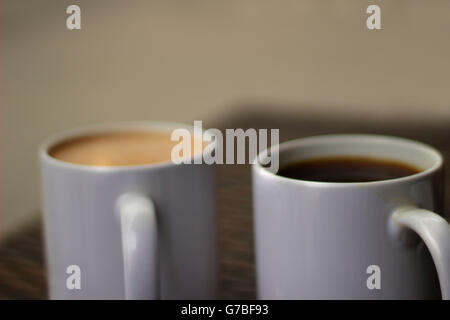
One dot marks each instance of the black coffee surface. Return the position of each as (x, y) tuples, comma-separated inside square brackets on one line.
[(346, 169)]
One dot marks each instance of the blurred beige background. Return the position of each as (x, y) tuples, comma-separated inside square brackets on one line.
[(191, 59)]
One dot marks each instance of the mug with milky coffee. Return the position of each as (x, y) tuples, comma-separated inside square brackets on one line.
[(122, 221)]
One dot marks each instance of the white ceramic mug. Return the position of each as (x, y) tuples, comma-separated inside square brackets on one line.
[(134, 232), (319, 240)]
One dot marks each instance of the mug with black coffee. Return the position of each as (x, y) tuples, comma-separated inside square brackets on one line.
[(351, 217), (346, 169), (122, 220)]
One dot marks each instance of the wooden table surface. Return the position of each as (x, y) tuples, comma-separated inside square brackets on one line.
[(22, 270)]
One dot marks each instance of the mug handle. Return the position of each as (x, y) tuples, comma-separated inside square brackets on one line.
[(435, 233), (139, 246)]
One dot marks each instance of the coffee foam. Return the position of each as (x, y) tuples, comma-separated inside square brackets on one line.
[(117, 149)]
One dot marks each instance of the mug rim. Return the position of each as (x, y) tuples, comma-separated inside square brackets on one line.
[(109, 127), (299, 142)]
